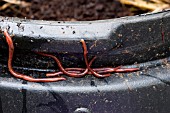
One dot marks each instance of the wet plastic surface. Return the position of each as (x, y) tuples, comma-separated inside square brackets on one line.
[(116, 41), (145, 91)]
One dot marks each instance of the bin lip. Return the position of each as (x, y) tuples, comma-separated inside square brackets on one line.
[(85, 28), (82, 84), (109, 30)]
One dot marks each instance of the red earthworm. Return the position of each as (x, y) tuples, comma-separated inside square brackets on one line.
[(118, 70), (60, 73), (62, 69), (126, 70), (72, 70), (22, 76), (97, 71), (105, 70), (86, 61), (78, 70)]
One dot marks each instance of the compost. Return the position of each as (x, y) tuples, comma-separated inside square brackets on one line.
[(66, 10)]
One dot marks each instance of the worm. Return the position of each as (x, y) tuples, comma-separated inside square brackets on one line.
[(19, 75), (72, 72), (86, 61)]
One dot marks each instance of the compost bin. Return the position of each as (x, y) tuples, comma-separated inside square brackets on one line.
[(141, 41)]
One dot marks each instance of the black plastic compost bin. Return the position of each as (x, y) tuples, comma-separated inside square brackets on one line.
[(141, 41)]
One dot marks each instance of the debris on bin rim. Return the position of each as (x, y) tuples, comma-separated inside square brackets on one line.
[(151, 5), (114, 42)]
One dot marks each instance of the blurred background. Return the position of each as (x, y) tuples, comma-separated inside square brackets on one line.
[(76, 10)]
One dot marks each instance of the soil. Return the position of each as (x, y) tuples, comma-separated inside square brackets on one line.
[(68, 10)]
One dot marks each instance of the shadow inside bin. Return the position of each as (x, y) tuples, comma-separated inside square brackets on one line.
[(1, 111), (56, 106)]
